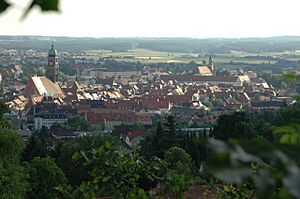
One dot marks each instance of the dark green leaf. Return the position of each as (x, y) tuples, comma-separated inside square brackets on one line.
[(3, 5), (45, 5)]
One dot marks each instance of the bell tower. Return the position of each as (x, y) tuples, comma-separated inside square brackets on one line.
[(52, 71), (211, 64)]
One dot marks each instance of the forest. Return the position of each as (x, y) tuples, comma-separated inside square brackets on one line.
[(185, 45)]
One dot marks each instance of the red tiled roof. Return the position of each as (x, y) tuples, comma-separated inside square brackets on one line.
[(203, 70)]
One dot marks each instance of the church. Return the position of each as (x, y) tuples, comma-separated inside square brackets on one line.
[(206, 70), (46, 86)]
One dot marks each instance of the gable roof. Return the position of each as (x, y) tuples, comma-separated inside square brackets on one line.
[(42, 86)]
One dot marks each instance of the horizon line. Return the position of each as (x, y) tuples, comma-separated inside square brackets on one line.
[(148, 37)]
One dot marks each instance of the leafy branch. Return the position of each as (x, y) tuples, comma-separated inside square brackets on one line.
[(45, 5)]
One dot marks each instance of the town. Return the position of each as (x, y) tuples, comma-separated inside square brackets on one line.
[(126, 99), (149, 99)]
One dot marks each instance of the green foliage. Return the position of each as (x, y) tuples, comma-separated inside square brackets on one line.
[(3, 109), (177, 155), (75, 123), (75, 170), (13, 181), (38, 145), (140, 195), (229, 191), (12, 176), (288, 115), (139, 127), (280, 81), (11, 146), (44, 177), (291, 76), (115, 171), (180, 172), (218, 103), (289, 134), (164, 136), (267, 173), (238, 125)]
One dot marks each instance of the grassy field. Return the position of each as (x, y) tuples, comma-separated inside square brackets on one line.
[(150, 56), (143, 55)]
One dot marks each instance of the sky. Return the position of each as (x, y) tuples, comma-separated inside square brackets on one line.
[(157, 18)]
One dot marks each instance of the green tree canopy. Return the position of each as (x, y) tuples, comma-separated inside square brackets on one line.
[(237, 126), (44, 177), (13, 182)]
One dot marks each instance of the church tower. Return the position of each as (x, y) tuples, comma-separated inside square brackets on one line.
[(52, 71), (211, 64)]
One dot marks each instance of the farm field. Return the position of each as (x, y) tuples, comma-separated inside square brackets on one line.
[(150, 56)]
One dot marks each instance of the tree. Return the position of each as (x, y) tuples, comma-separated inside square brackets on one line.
[(75, 170), (38, 145), (289, 134), (180, 172), (3, 109), (237, 126), (44, 177), (163, 137), (115, 171), (13, 182), (78, 123)]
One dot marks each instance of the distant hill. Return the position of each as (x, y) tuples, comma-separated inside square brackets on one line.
[(214, 45)]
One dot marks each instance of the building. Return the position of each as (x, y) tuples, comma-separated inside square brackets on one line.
[(206, 70), (211, 65), (203, 71), (52, 71), (38, 86), (48, 120), (211, 80)]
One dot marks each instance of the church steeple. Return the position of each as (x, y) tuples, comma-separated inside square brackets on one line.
[(211, 64), (53, 68)]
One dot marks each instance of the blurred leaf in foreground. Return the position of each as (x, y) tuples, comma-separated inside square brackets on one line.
[(3, 5), (45, 5)]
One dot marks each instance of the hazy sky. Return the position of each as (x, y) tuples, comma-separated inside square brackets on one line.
[(158, 18)]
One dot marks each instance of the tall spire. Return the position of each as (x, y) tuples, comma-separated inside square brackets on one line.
[(211, 63)]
